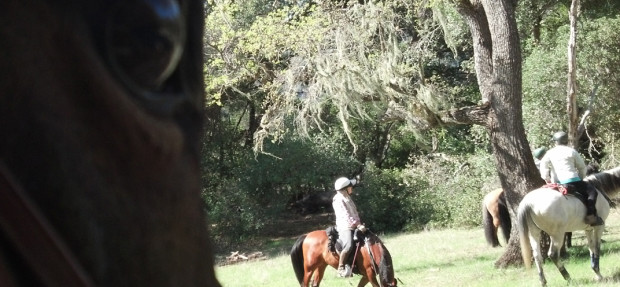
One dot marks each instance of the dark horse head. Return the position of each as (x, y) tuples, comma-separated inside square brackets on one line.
[(100, 122), (385, 269)]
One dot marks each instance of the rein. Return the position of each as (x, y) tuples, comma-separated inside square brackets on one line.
[(357, 250), (373, 263), (34, 239), (372, 257)]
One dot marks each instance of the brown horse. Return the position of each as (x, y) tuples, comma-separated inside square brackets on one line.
[(495, 215), (101, 112), (310, 256)]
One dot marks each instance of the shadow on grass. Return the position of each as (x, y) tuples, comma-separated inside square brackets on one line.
[(614, 278), (277, 247), (582, 251)]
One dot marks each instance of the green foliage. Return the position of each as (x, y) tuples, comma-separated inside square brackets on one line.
[(246, 42), (545, 81), (260, 187), (297, 166), (455, 184), (439, 191), (387, 204), (599, 65), (234, 212), (358, 83)]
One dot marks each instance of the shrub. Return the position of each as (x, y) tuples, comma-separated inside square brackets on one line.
[(387, 204)]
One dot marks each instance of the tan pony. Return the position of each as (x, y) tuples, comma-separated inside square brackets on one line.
[(495, 216)]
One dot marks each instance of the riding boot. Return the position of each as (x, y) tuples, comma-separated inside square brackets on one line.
[(592, 218)]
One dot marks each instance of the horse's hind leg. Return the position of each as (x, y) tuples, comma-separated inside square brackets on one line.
[(594, 244), (568, 239), (554, 253), (318, 276), (536, 253), (307, 277)]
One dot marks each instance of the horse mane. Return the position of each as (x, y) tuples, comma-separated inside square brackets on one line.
[(607, 181), (385, 268)]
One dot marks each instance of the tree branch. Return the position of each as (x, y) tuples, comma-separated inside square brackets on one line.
[(466, 115)]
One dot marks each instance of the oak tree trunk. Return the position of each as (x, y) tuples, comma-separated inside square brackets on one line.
[(497, 55)]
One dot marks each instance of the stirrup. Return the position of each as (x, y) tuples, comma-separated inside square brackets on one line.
[(345, 271), (594, 220)]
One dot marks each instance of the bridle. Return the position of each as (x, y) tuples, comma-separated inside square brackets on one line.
[(33, 237)]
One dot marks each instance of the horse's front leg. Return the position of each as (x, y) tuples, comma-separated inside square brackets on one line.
[(369, 276), (557, 241), (594, 244), (362, 282)]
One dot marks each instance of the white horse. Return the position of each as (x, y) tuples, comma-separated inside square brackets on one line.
[(548, 210)]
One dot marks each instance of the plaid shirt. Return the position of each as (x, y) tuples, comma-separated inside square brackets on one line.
[(345, 210)]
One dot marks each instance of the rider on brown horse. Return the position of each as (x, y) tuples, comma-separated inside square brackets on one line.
[(347, 220)]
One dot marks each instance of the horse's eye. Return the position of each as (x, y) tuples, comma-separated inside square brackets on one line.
[(144, 41)]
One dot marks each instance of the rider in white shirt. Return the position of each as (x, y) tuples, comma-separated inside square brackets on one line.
[(570, 168), (347, 220)]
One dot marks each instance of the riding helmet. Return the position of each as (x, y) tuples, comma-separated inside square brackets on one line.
[(540, 152), (560, 137), (344, 182)]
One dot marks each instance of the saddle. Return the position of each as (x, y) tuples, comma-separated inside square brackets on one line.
[(334, 244), (566, 190)]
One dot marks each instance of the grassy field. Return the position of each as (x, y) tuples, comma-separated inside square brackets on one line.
[(455, 257)]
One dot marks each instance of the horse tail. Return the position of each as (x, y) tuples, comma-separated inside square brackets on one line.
[(297, 258), (504, 217), (523, 221), (489, 228)]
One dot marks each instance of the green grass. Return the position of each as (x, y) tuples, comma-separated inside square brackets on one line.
[(455, 257)]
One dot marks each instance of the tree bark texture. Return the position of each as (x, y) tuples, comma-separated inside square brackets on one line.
[(571, 97), (497, 56)]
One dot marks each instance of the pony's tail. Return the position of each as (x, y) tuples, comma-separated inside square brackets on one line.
[(504, 220), (297, 258), (523, 219), (489, 228)]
